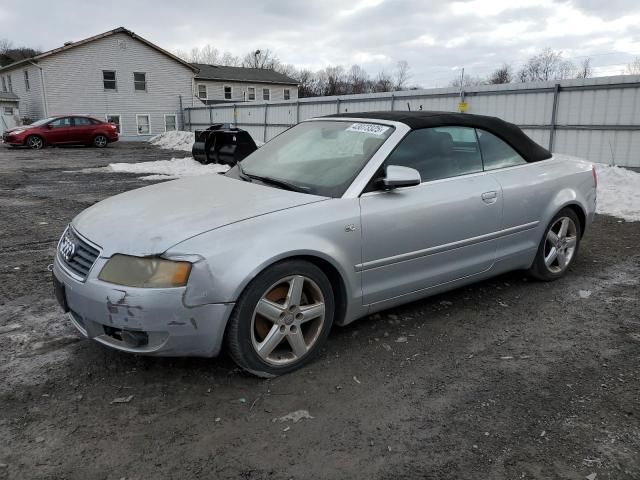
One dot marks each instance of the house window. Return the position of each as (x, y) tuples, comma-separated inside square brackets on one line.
[(202, 92), (170, 123), (251, 92), (109, 79), (140, 81), (10, 83), (287, 94), (27, 85), (144, 124), (115, 119), (266, 94), (4, 84), (8, 110), (227, 92)]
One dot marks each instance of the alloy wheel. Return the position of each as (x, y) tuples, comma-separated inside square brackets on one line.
[(560, 244), (35, 143), (287, 320), (100, 141)]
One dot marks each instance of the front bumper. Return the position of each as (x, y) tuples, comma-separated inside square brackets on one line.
[(103, 311)]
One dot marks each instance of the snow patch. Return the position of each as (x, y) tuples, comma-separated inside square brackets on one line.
[(168, 169), (618, 192), (177, 140)]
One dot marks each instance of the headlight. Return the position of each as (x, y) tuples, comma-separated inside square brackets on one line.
[(15, 132), (145, 272)]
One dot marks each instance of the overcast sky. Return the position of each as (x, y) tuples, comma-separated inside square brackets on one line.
[(435, 37)]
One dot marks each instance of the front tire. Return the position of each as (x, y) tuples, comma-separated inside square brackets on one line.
[(558, 247), (100, 141), (282, 319), (34, 142)]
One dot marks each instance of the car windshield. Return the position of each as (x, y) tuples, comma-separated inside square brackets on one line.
[(41, 122), (318, 157)]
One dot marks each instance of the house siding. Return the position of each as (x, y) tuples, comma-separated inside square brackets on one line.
[(215, 91), (75, 85), (31, 103)]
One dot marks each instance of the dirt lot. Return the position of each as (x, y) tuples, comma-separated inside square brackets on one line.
[(507, 379)]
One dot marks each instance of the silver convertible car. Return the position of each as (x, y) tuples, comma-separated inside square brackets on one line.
[(334, 219)]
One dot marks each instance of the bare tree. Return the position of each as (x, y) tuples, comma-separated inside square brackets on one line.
[(469, 81), (633, 67), (585, 70), (501, 75), (547, 65), (261, 58), (383, 82), (10, 54), (402, 75), (358, 80)]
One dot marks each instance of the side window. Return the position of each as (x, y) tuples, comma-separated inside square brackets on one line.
[(61, 122), (81, 121), (440, 152), (496, 153)]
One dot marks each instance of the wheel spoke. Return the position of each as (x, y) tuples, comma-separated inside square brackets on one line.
[(571, 242), (269, 310), (549, 259), (553, 238), (270, 342), (298, 345), (294, 296), (311, 312), (562, 258), (564, 226)]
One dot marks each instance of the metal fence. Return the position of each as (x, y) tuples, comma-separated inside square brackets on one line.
[(596, 118)]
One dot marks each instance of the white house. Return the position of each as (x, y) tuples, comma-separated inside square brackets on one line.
[(220, 84), (120, 77)]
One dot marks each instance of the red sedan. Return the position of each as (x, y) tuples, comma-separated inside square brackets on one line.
[(63, 130)]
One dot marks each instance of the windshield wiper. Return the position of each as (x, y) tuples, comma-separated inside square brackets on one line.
[(278, 183), (247, 177)]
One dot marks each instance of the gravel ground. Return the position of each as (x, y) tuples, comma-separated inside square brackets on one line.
[(506, 379)]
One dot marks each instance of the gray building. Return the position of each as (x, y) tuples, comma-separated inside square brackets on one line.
[(120, 77), (219, 84)]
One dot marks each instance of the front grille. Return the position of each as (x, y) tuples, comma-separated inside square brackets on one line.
[(76, 254)]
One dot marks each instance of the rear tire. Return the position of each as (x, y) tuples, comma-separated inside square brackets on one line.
[(282, 319), (34, 142), (558, 247), (100, 141)]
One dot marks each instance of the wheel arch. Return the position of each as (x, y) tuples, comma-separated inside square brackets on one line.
[(329, 268), (580, 213)]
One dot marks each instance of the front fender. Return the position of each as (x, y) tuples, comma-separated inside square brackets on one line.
[(236, 253)]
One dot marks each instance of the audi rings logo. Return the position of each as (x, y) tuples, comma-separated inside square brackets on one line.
[(67, 248)]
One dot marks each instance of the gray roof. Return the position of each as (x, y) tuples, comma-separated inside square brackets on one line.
[(69, 45), (9, 96), (241, 74)]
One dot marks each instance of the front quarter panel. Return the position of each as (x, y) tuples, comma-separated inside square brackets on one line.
[(236, 253)]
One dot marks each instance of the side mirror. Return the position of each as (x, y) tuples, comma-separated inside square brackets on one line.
[(49, 125), (397, 177)]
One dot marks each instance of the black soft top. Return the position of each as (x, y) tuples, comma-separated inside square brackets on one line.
[(510, 133)]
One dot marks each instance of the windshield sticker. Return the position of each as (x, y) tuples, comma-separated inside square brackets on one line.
[(371, 128)]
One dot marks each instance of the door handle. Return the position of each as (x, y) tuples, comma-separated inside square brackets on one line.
[(489, 197)]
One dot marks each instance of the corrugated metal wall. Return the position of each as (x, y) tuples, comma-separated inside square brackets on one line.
[(596, 118)]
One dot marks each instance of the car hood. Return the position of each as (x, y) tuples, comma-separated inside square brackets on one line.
[(149, 220)]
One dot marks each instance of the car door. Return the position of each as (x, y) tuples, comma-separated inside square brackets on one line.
[(82, 130), (444, 229), (59, 130)]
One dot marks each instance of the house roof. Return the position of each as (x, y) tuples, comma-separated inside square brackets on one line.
[(115, 31), (241, 74), (9, 96)]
